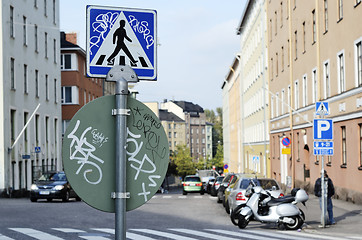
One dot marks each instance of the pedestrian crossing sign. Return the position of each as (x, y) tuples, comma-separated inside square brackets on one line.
[(121, 36), (322, 108)]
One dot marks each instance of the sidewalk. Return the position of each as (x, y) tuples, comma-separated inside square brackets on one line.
[(348, 218)]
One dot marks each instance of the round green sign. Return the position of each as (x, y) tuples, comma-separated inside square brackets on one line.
[(89, 151)]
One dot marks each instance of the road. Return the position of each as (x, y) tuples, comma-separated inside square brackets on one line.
[(165, 216)]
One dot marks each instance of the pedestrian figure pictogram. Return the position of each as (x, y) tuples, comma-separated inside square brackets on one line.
[(120, 34)]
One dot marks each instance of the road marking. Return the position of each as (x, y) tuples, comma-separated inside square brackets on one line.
[(69, 230), (183, 197), (167, 197), (36, 234), (202, 234), (163, 234), (2, 237)]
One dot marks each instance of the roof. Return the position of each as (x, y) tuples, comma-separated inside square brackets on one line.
[(66, 45), (165, 115), (189, 107)]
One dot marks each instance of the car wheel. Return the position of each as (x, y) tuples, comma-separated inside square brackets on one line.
[(32, 199), (227, 207), (78, 198), (49, 199), (66, 197), (184, 192)]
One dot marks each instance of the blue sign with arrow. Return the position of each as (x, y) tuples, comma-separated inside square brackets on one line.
[(121, 36)]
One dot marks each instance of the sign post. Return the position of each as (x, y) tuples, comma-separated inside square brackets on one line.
[(323, 145)]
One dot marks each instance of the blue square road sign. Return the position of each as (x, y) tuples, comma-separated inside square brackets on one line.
[(322, 129)]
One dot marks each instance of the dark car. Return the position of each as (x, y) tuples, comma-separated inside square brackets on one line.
[(52, 185), (215, 186), (224, 184)]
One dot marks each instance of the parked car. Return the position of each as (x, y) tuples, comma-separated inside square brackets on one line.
[(237, 193), (232, 183), (52, 185), (206, 175), (192, 183), (209, 184), (215, 186), (224, 184)]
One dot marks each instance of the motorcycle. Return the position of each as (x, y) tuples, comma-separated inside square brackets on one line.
[(262, 207)]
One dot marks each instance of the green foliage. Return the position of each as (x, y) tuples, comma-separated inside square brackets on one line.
[(183, 161)]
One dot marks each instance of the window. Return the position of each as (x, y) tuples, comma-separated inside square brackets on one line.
[(46, 44), (281, 14), (305, 91), (288, 52), (276, 65), (36, 37), (296, 94), (296, 45), (344, 147), (325, 15), (47, 87), (271, 68), (12, 33), (282, 101), (25, 40), (314, 27), (315, 85), (12, 73), (304, 37), (326, 80), (70, 95), (340, 9), (358, 54), (54, 12), (272, 107), (341, 73), (68, 62), (277, 105), (282, 59), (25, 78), (55, 91), (360, 146), (36, 83), (276, 22), (45, 8), (12, 125), (55, 50), (288, 96), (270, 29)]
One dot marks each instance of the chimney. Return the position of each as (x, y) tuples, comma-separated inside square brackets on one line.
[(71, 37)]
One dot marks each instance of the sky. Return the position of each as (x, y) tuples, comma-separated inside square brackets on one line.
[(197, 43)]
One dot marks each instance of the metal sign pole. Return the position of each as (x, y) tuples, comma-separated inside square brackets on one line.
[(323, 203), (121, 75)]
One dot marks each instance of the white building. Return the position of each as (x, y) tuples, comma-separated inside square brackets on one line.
[(30, 75)]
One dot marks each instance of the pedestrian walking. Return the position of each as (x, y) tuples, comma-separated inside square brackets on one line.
[(330, 193)]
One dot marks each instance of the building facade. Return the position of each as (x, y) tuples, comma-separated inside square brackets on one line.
[(195, 126), (310, 62), (77, 89), (30, 106), (246, 136)]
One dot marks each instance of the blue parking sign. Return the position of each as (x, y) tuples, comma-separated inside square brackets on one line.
[(121, 36), (323, 129)]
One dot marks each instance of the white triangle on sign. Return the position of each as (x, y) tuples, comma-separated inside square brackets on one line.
[(135, 48), (322, 108)]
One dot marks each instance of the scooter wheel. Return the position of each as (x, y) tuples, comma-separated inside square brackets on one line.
[(298, 222), (242, 222)]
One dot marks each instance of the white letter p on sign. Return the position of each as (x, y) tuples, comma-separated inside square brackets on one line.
[(323, 126)]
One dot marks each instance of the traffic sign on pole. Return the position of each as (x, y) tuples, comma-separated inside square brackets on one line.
[(121, 36), (322, 108), (323, 129), (89, 153)]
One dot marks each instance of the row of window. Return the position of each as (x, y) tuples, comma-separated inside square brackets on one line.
[(36, 33), (34, 81), (280, 104), (273, 27)]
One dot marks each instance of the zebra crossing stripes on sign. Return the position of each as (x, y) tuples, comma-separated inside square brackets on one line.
[(121, 36)]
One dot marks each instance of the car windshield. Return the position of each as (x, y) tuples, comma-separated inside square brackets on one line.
[(219, 179), (192, 179), (267, 184), (53, 177)]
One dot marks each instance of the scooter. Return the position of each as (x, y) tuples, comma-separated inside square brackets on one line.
[(263, 208)]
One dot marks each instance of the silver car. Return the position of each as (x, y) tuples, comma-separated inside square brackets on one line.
[(237, 193)]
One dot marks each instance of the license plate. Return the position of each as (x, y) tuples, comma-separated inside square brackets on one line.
[(192, 184), (44, 192)]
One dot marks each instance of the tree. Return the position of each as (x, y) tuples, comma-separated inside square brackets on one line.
[(217, 133), (183, 161), (218, 160)]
